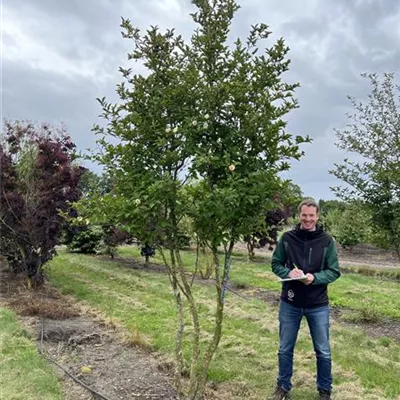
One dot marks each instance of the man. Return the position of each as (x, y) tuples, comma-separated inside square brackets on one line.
[(309, 253)]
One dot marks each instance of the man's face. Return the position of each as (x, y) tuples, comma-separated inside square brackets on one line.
[(308, 218)]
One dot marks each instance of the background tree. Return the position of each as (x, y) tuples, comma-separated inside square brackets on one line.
[(330, 208), (92, 183), (373, 175), (286, 201), (291, 195), (79, 234), (208, 114), (38, 180), (327, 206), (350, 225)]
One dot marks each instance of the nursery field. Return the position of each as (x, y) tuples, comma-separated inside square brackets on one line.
[(131, 305)]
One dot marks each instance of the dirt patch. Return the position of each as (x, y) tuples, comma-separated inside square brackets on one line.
[(368, 254), (95, 355), (43, 303), (387, 328), (138, 265)]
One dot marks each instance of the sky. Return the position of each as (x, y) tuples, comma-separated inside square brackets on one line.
[(58, 56)]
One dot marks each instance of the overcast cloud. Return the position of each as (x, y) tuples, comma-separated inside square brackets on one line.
[(59, 55)]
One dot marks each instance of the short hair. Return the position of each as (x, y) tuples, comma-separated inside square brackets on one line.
[(308, 203)]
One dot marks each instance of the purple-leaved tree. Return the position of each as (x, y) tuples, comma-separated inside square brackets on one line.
[(38, 181)]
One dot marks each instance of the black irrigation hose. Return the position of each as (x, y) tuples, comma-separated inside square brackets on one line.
[(73, 377)]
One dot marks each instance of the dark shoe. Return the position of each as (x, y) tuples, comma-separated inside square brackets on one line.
[(324, 395), (280, 394)]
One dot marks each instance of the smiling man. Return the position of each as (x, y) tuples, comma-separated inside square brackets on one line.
[(307, 253)]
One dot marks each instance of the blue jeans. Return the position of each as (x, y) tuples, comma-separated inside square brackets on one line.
[(289, 324)]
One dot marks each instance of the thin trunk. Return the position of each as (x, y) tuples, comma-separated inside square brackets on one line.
[(193, 377), (395, 239), (180, 321), (250, 250), (187, 291), (206, 360), (227, 268), (397, 251), (196, 269), (179, 344), (209, 265)]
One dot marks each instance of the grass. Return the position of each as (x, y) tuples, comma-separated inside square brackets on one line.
[(381, 273), (356, 291), (24, 374), (141, 301)]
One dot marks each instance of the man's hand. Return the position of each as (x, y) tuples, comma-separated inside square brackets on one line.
[(296, 273), (309, 279)]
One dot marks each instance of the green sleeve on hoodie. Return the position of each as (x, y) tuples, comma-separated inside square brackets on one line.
[(330, 270), (279, 260)]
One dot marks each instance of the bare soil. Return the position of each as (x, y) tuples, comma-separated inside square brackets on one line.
[(92, 352)]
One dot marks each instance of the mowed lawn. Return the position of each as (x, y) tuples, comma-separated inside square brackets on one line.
[(141, 301)]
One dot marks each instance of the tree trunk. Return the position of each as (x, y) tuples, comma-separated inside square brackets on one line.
[(250, 250), (221, 288), (179, 345), (193, 375)]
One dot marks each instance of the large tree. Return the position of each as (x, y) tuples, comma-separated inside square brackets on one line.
[(200, 138), (38, 180), (373, 173)]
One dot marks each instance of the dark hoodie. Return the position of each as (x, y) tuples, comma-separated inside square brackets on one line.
[(313, 252)]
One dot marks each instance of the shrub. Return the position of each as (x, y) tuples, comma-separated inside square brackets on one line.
[(95, 239), (86, 240)]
